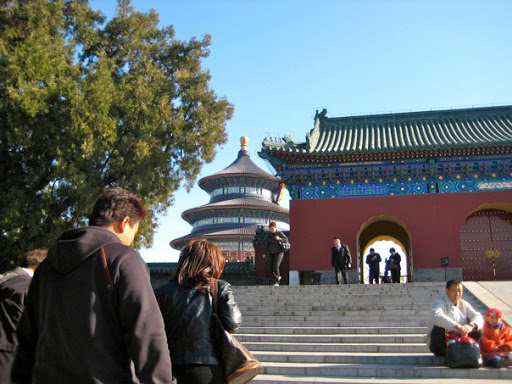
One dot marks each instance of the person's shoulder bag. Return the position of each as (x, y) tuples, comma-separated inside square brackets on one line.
[(239, 365), (284, 244)]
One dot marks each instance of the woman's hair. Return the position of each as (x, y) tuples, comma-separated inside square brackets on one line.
[(272, 224), (200, 261)]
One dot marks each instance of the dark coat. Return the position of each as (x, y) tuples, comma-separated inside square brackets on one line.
[(375, 263), (394, 262), (90, 313), (187, 315), (272, 245), (13, 291), (341, 258)]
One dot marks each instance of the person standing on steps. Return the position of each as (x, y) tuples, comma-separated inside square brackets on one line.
[(373, 260), (340, 260), (187, 309), (394, 264), (273, 252)]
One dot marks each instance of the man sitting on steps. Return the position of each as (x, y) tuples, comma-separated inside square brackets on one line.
[(451, 314)]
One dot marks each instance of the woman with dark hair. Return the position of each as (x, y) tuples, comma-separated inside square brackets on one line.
[(186, 306)]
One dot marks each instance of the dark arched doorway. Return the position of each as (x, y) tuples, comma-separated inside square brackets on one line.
[(389, 228), (486, 245)]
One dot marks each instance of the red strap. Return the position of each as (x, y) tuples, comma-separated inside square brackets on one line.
[(106, 266)]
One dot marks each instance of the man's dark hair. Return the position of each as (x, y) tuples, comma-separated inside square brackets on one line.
[(34, 258), (272, 224), (336, 238), (391, 249), (372, 250), (114, 205), (449, 283)]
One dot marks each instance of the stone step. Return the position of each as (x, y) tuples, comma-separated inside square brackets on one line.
[(291, 379), (343, 334), (333, 330), (356, 314), (350, 297), (307, 318), (268, 321), (396, 371), (280, 293), (371, 347), (335, 308), (350, 357), (334, 293), (382, 339), (429, 287)]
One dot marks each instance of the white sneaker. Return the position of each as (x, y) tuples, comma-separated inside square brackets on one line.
[(276, 285)]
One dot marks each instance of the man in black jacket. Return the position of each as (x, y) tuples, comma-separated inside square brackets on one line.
[(340, 260), (394, 262), (13, 291), (373, 260), (91, 314)]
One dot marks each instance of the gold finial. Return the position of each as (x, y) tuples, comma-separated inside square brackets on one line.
[(244, 142)]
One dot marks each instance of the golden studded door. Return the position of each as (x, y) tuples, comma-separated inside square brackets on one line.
[(486, 246)]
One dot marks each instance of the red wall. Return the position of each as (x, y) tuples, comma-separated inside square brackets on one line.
[(434, 222)]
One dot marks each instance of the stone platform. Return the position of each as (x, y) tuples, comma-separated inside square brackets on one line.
[(353, 333)]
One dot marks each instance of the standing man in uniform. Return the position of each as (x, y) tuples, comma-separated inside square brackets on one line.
[(340, 260)]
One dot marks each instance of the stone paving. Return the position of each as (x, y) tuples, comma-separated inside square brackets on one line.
[(350, 334)]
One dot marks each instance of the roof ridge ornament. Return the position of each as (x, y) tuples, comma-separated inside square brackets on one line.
[(313, 135), (244, 143)]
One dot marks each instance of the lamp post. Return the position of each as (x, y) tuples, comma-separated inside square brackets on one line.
[(444, 263)]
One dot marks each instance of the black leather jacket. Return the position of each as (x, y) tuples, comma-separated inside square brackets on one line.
[(272, 245), (187, 315)]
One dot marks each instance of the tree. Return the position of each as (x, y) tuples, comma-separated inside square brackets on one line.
[(86, 104)]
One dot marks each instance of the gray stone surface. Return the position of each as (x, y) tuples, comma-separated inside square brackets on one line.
[(493, 294), (352, 333)]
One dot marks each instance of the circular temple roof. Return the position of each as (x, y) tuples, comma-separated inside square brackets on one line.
[(242, 168)]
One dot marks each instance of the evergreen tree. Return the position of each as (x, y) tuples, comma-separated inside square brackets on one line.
[(87, 104)]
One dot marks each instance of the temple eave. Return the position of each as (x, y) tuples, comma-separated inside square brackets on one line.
[(351, 156)]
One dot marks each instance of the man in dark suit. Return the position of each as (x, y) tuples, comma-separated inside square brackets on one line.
[(340, 260)]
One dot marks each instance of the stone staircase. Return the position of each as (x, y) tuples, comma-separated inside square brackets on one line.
[(348, 334)]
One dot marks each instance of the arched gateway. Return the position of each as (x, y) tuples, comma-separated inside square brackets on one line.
[(426, 170), (385, 228)]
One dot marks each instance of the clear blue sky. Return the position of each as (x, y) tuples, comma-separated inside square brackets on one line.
[(277, 61)]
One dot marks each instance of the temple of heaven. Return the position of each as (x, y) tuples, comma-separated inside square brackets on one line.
[(243, 198)]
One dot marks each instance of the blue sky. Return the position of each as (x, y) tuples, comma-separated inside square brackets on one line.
[(278, 61)]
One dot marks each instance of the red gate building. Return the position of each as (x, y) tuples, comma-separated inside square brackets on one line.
[(439, 183)]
